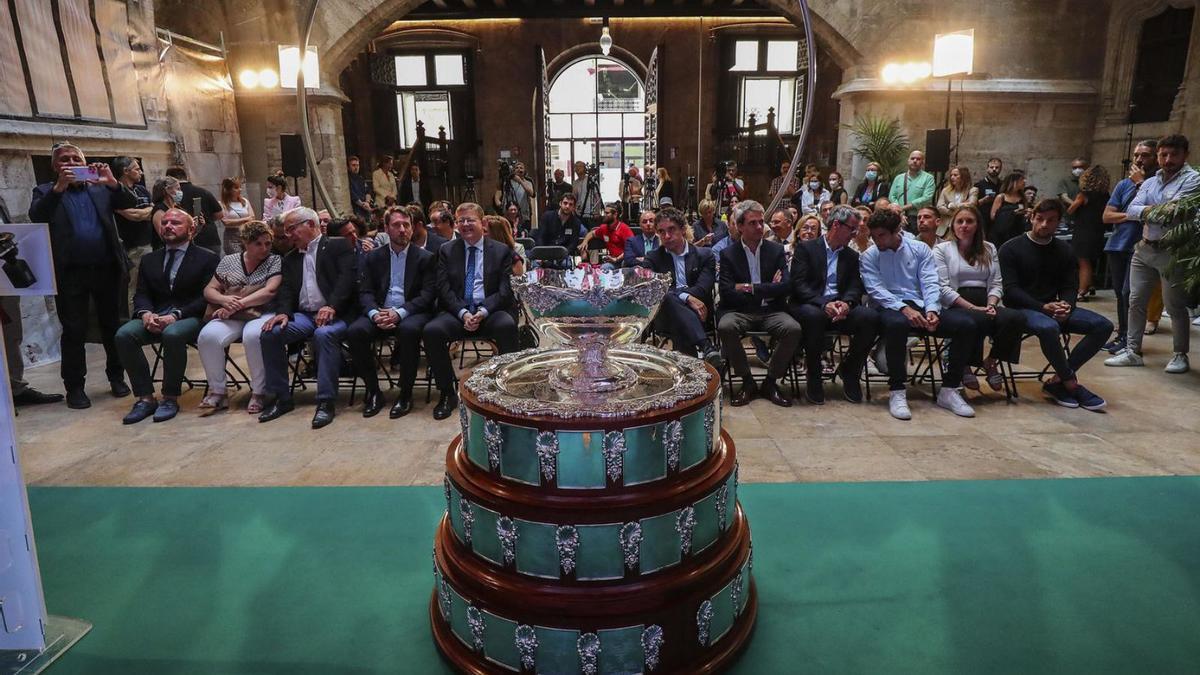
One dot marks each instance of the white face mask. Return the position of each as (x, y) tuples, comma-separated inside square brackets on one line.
[(1077, 172), (177, 196), (815, 185)]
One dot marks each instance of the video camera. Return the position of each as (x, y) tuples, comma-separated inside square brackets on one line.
[(593, 170), (507, 167)]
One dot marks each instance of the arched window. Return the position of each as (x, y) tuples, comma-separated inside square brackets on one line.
[(1161, 58), (598, 116)]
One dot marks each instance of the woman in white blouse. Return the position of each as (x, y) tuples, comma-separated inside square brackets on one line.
[(969, 276)]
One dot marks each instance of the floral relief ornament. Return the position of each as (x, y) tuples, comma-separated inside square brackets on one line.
[(703, 618), (631, 541), (506, 531), (475, 621), (468, 518), (673, 441), (614, 451), (652, 641), (588, 646), (547, 451), (685, 523), (566, 539), (527, 644), (494, 439)]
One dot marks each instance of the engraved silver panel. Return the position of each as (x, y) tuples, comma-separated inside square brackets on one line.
[(685, 523), (652, 641), (527, 644), (614, 455), (566, 538), (494, 440), (588, 646), (631, 542), (547, 451), (704, 617), (506, 531)]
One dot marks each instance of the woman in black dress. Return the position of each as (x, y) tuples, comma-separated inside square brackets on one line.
[(1008, 211), (1087, 238)]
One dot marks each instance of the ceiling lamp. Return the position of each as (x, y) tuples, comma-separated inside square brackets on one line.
[(606, 41)]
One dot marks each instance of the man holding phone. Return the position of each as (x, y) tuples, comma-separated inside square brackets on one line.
[(89, 261), (201, 205)]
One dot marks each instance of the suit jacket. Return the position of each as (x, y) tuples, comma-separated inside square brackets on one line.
[(810, 261), (407, 196), (497, 276), (735, 269), (433, 242), (700, 266), (634, 248), (47, 207), (156, 294), (420, 274), (881, 190), (337, 272)]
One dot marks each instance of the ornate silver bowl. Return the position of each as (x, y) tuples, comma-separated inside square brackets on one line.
[(590, 311)]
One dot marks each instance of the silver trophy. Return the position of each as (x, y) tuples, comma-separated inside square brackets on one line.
[(589, 363)]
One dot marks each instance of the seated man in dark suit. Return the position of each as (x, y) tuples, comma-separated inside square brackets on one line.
[(693, 273), (397, 296), (475, 293), (314, 300), (754, 292), (644, 241), (168, 306), (562, 227), (827, 293), (430, 239)]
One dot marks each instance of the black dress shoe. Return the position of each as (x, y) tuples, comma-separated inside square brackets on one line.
[(32, 396), (141, 410), (119, 388), (851, 387), (277, 409), (745, 395), (401, 407), (324, 415), (814, 392), (446, 405), (713, 358), (373, 403), (78, 400), (771, 392)]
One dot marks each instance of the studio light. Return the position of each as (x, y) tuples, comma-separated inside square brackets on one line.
[(289, 67), (905, 73), (954, 53), (267, 78), (248, 79)]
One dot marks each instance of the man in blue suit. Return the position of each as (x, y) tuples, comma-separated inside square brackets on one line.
[(689, 303), (90, 263), (644, 241)]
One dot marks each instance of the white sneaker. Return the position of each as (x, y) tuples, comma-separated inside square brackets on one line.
[(952, 400), (1124, 358), (898, 405), (1179, 364), (1196, 321)]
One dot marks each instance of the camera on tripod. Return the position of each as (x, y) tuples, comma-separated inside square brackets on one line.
[(593, 170), (722, 167), (507, 167)]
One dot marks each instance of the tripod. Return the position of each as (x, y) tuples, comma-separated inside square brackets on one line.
[(591, 197), (690, 199), (469, 194)]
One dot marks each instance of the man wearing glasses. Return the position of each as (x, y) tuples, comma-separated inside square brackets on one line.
[(476, 299)]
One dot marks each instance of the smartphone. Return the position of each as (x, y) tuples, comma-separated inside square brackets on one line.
[(196, 207), (85, 173)]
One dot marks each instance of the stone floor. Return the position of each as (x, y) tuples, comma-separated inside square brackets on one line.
[(1151, 428)]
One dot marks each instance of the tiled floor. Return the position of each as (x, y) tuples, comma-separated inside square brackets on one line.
[(1151, 428)]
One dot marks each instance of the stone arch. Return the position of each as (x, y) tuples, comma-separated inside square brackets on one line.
[(1124, 27)]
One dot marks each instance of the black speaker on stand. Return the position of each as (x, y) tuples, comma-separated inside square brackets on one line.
[(937, 150), (295, 166)]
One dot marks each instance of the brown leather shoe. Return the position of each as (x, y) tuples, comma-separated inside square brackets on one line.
[(771, 393)]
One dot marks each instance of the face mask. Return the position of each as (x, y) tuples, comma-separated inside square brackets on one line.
[(1077, 172), (814, 184), (177, 196), (872, 175)]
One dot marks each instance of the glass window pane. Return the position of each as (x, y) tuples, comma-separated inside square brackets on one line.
[(609, 125), (560, 157), (758, 95), (745, 56), (635, 153), (635, 125), (410, 71), (583, 126), (407, 119), (449, 69), (560, 126), (610, 171), (584, 151), (617, 88), (782, 55), (785, 115), (433, 109), (574, 90)]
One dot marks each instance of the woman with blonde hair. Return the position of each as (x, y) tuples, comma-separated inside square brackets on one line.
[(665, 187), (1087, 236), (236, 212), (808, 228), (239, 297), (955, 194), (499, 229)]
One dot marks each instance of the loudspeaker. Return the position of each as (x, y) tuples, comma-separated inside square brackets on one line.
[(937, 150), (291, 150)]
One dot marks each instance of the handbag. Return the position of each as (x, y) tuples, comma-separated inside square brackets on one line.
[(247, 314)]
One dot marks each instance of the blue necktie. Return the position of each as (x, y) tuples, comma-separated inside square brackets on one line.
[(469, 287), (171, 253)]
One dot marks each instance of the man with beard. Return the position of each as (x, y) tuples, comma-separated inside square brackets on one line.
[(613, 232)]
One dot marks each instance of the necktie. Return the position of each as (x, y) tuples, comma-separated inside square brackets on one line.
[(469, 286), (171, 253)]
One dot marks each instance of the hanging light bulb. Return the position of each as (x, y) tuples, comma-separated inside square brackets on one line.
[(606, 41)]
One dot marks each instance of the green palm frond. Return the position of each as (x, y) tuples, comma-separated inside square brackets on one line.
[(880, 139), (1182, 240)]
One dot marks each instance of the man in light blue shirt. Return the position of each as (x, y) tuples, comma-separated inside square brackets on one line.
[(1126, 233), (901, 279), (1175, 180)]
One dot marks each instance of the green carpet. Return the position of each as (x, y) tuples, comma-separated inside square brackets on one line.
[(1050, 576)]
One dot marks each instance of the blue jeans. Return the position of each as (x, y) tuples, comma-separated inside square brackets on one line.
[(301, 326), (1094, 328)]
